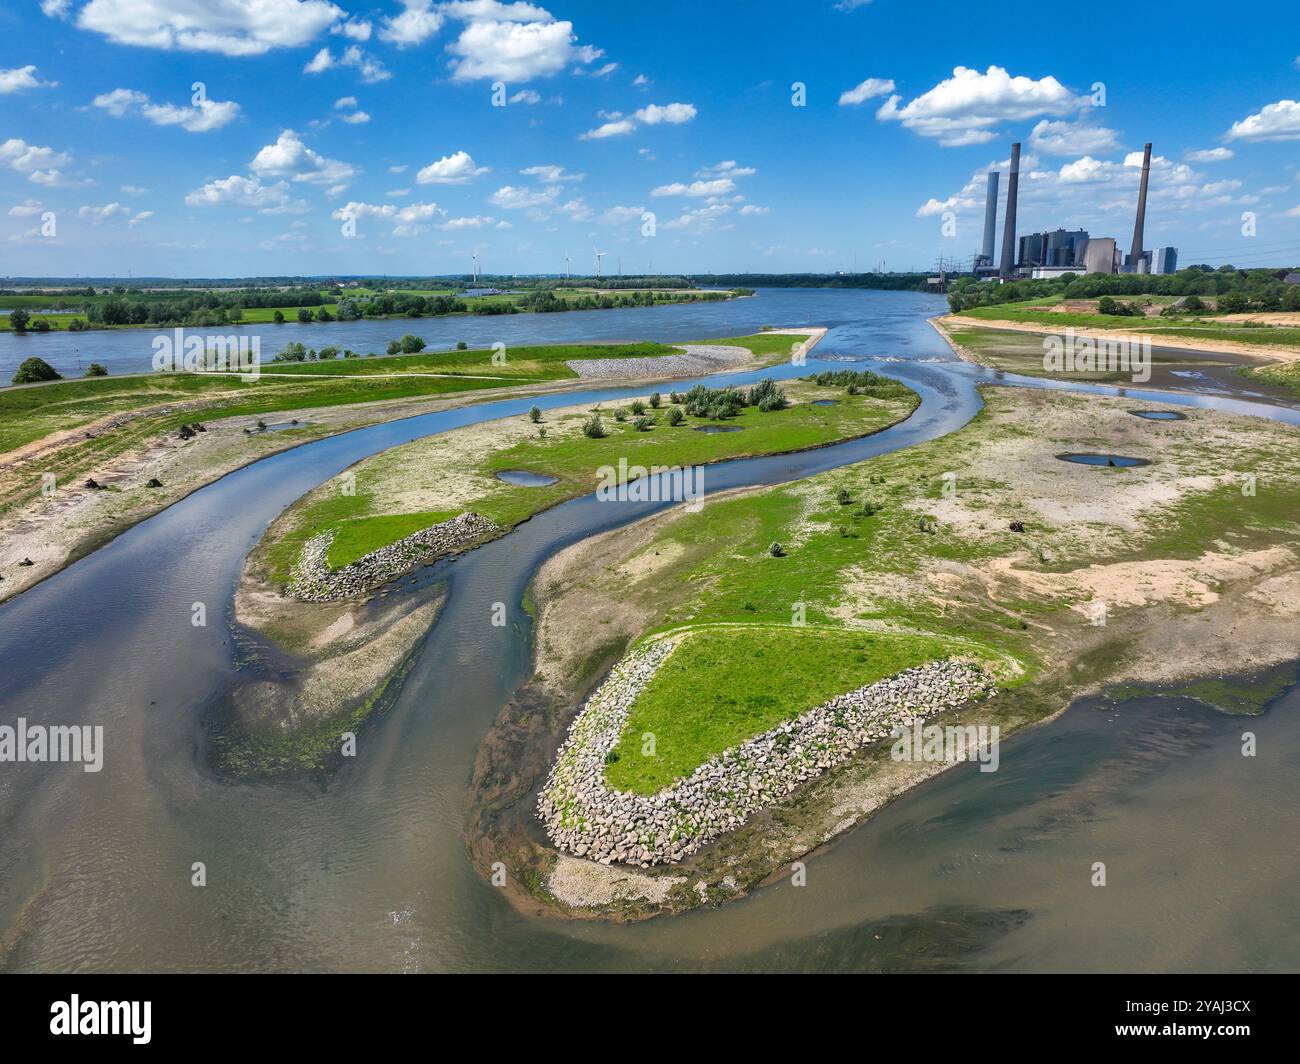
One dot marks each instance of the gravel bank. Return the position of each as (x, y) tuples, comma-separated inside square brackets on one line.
[(314, 581), (584, 817), (697, 359)]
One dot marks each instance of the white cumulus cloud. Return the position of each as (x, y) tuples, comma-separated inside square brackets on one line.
[(1274, 121), (866, 90), (1071, 138), (202, 117), (20, 78), (227, 27), (964, 108), (455, 169), (1210, 155), (289, 157)]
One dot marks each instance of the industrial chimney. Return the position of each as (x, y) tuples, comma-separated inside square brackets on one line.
[(1008, 266), (990, 219), (1135, 256)]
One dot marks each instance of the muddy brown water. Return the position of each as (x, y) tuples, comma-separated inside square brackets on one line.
[(973, 871)]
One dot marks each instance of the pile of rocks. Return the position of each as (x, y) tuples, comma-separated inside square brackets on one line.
[(583, 816), (314, 581), (697, 359)]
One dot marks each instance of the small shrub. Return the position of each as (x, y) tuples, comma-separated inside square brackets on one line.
[(33, 370), (620, 415), (843, 497), (675, 415), (776, 550), (593, 429), (535, 415), (655, 400), (642, 424), (638, 407), (96, 370), (461, 345)]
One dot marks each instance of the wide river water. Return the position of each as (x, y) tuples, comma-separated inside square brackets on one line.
[(975, 871)]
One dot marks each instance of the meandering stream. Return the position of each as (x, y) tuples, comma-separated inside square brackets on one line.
[(972, 870)]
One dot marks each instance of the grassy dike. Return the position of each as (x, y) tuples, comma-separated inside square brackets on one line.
[(1195, 578)]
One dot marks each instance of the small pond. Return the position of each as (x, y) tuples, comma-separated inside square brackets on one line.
[(525, 479), (710, 430), (1114, 460), (1159, 415)]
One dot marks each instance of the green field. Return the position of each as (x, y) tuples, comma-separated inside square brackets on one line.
[(724, 685), (892, 566), (162, 402), (372, 518)]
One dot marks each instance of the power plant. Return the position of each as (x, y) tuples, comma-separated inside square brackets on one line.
[(985, 257), (1008, 266), (1051, 254)]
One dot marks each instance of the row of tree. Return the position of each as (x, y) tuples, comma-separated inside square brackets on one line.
[(1244, 290)]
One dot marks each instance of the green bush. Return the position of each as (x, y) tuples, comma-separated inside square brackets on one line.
[(776, 550), (593, 429), (535, 414), (34, 370), (95, 369), (675, 415)]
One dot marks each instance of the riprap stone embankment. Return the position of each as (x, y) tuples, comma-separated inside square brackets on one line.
[(314, 581), (585, 817)]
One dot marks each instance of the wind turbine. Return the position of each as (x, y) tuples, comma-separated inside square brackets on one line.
[(568, 273), (599, 255), (475, 257)]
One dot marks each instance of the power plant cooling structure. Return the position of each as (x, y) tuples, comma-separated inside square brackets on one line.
[(990, 218), (1008, 266), (1139, 223)]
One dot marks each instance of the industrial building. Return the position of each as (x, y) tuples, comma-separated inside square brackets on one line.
[(1062, 251)]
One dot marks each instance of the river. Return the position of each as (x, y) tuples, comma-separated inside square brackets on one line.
[(973, 870), (131, 350)]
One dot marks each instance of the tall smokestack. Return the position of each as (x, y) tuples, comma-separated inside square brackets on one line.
[(990, 218), (1136, 254), (1008, 266)]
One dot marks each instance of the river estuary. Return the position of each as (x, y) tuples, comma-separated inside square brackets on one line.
[(972, 871)]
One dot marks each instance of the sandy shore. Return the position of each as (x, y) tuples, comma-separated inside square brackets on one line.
[(1189, 343)]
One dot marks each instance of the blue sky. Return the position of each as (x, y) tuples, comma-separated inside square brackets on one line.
[(345, 137)]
